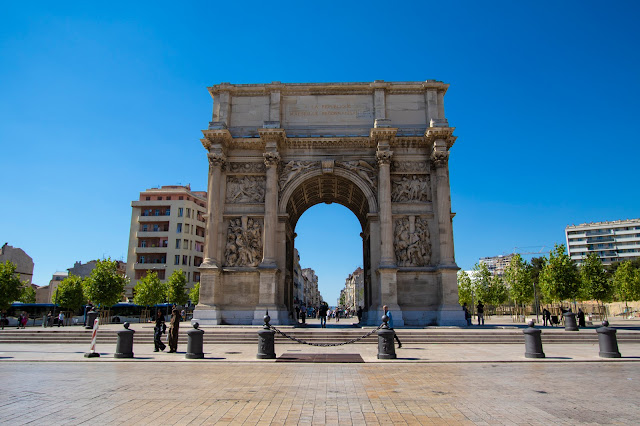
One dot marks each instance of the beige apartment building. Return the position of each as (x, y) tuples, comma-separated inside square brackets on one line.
[(614, 241), (167, 234)]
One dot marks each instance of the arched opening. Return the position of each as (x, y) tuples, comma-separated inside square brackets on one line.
[(315, 193)]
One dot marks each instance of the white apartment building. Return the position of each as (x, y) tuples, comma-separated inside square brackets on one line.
[(615, 241), (497, 264), (167, 234), (354, 290)]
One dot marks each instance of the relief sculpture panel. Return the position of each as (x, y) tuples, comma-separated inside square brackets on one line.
[(247, 167), (293, 169), (245, 189), (411, 189), (244, 242), (363, 169), (412, 242)]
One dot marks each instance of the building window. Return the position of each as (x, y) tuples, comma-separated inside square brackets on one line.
[(184, 259), (180, 212), (189, 260), (159, 198), (185, 244), (143, 243), (167, 212), (177, 260), (178, 243), (179, 229), (168, 198), (157, 212), (188, 276), (180, 197), (188, 212), (144, 228), (148, 198), (191, 246), (141, 259), (156, 228)]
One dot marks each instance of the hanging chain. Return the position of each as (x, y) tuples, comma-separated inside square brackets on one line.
[(304, 342)]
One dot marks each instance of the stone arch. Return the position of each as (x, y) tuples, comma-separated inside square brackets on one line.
[(341, 186)]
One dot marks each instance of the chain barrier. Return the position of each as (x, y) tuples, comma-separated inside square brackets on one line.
[(304, 342)]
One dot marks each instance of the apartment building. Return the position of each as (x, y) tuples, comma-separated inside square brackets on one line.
[(497, 264), (167, 234), (23, 262), (354, 290), (614, 241)]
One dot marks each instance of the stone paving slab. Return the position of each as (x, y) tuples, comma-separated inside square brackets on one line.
[(533, 393)]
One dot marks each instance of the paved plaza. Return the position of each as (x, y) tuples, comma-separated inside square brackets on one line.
[(273, 393)]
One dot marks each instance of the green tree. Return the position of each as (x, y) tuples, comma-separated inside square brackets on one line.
[(149, 290), (105, 286), (626, 281), (535, 268), (28, 294), (559, 279), (482, 283), (10, 285), (176, 291), (595, 283), (465, 288), (517, 277), (498, 292), (194, 294), (70, 293)]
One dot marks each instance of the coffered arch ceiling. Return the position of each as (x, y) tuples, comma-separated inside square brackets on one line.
[(327, 188)]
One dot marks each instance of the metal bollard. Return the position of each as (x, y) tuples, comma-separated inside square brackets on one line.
[(386, 346), (91, 317), (570, 323), (194, 342), (124, 347), (266, 338), (607, 341), (532, 342)]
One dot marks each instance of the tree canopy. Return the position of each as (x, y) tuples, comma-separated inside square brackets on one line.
[(559, 278), (626, 281), (595, 283), (105, 286), (176, 291), (10, 285), (70, 293), (482, 282), (465, 288), (194, 294), (149, 290), (28, 294), (518, 278)]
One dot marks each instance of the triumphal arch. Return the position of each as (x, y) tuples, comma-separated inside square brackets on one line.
[(380, 149)]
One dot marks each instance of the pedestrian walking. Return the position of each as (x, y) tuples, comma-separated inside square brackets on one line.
[(546, 316), (480, 311), (4, 319), (174, 325), (581, 320), (359, 313), (159, 328), (60, 319), (387, 312)]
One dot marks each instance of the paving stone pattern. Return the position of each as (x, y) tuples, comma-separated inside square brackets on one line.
[(260, 393)]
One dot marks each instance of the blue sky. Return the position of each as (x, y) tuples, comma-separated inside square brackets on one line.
[(101, 101)]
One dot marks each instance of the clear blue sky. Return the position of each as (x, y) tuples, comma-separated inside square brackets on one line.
[(101, 101)]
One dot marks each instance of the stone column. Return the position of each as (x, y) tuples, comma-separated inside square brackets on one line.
[(387, 257), (440, 161), (271, 160), (216, 163)]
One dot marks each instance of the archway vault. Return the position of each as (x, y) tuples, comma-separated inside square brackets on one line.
[(327, 188)]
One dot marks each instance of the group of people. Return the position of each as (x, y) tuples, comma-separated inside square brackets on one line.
[(160, 328), (547, 317), (479, 313)]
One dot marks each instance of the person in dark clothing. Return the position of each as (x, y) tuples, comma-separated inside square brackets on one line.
[(467, 314), (480, 311), (322, 313), (359, 314), (546, 315), (174, 326), (159, 328), (581, 321)]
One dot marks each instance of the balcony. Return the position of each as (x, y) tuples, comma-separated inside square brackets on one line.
[(154, 219), (151, 250), (149, 266), (152, 234)]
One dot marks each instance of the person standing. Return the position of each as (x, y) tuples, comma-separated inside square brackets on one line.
[(467, 314), (60, 319), (581, 319), (480, 311), (387, 312), (174, 326), (159, 328), (322, 313), (546, 316), (359, 313)]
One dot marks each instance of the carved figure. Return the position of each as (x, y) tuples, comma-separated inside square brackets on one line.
[(292, 169), (247, 167), (362, 169), (244, 245), (414, 189), (247, 189), (412, 248)]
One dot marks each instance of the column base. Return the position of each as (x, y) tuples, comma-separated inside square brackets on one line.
[(279, 315), (207, 315)]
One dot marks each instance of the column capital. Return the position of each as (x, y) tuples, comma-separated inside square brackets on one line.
[(272, 137), (438, 135), (384, 157), (217, 159), (383, 135), (271, 158), (440, 158), (219, 137)]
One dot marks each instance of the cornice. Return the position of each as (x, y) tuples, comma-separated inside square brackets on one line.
[(383, 133), (441, 133), (215, 137)]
